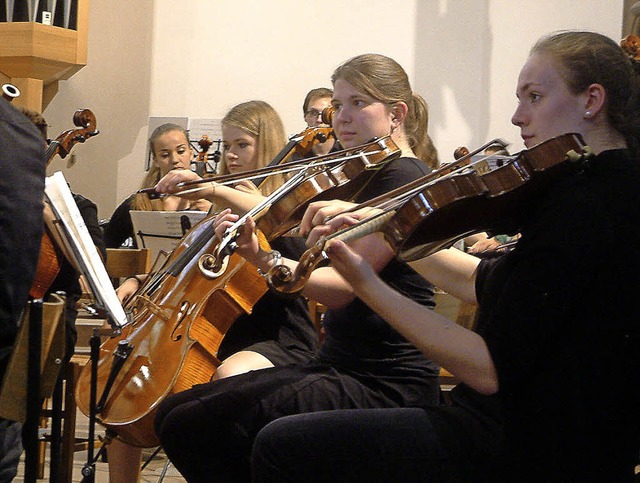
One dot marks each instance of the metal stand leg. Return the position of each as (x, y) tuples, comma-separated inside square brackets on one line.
[(34, 403)]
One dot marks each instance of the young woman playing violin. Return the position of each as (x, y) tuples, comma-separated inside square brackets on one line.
[(550, 384), (207, 431)]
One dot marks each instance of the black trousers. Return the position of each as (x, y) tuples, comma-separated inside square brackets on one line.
[(208, 431)]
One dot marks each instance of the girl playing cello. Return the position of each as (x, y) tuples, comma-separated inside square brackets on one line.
[(277, 332)]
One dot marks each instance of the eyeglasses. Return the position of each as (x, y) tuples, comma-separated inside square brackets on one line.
[(313, 113)]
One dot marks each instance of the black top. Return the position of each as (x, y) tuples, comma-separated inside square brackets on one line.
[(560, 318), (22, 165), (357, 338), (279, 329), (120, 226)]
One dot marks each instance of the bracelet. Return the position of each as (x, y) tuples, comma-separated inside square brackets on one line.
[(273, 255)]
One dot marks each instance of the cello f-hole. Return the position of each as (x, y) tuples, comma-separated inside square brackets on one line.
[(181, 314)]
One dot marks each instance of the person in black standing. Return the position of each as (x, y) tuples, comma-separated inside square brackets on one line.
[(21, 224)]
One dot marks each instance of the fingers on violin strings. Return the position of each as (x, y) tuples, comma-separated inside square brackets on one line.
[(316, 233), (342, 221)]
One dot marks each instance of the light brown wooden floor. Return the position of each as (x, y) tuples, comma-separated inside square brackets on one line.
[(150, 474)]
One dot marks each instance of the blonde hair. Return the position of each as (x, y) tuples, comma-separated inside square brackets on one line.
[(261, 121), (386, 81), (142, 201)]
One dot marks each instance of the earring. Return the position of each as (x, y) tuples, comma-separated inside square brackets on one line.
[(587, 114)]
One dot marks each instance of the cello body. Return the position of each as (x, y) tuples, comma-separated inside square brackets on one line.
[(179, 319)]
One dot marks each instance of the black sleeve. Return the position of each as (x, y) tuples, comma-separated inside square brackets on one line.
[(89, 212), (394, 174), (120, 226), (21, 206), (529, 297)]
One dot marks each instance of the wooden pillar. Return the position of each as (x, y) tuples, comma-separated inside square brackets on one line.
[(35, 57), (31, 91)]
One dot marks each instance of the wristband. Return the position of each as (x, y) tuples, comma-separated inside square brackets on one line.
[(136, 278), (273, 255)]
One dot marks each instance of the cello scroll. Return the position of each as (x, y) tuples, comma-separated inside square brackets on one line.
[(86, 122)]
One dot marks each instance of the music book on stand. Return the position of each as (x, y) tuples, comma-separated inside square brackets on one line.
[(75, 236)]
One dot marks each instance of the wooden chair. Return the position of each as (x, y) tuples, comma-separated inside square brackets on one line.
[(317, 311), (31, 375), (121, 263), (127, 262)]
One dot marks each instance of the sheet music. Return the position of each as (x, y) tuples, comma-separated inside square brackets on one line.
[(76, 235), (162, 230)]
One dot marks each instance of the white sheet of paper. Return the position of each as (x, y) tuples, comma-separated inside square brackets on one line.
[(76, 234)]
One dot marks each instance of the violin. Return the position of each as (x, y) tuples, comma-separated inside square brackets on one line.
[(328, 180), (52, 248), (449, 207), (300, 145), (631, 46), (178, 321)]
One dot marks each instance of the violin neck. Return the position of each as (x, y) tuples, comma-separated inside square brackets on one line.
[(51, 150)]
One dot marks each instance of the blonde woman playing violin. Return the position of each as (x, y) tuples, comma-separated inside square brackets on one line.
[(170, 149)]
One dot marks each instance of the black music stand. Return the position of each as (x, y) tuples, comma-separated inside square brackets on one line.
[(30, 430)]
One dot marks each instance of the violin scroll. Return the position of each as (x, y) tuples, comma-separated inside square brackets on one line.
[(460, 152), (311, 136), (327, 115), (631, 46), (86, 122)]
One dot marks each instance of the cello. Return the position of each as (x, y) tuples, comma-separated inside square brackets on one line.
[(52, 247), (179, 319)]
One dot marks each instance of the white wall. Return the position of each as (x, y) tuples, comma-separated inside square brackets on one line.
[(200, 57), (232, 51), (469, 54)]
